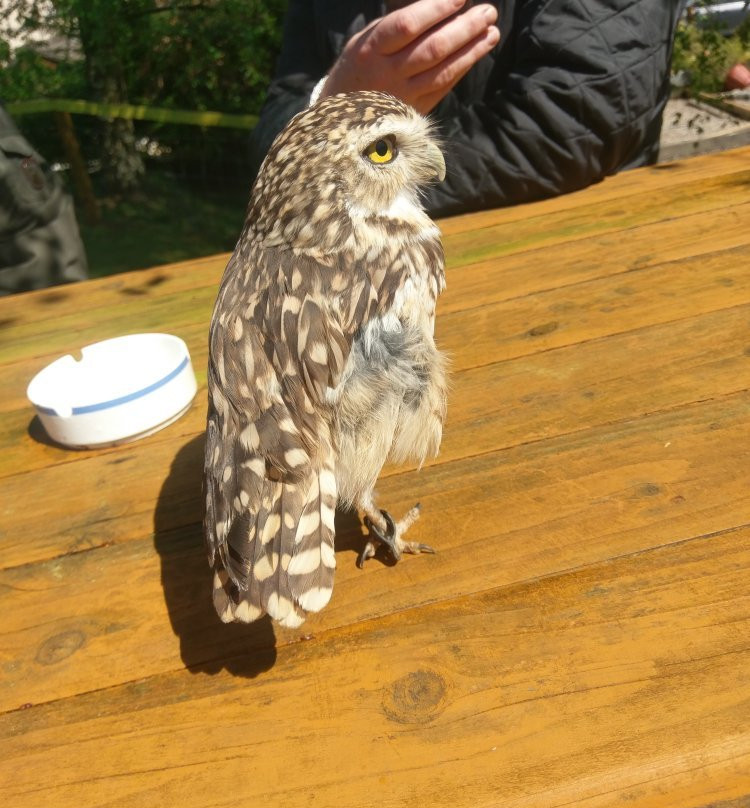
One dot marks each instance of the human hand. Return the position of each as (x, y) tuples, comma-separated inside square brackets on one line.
[(417, 53)]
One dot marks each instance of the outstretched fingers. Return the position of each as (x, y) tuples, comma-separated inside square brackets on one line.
[(400, 28), (445, 40), (431, 86)]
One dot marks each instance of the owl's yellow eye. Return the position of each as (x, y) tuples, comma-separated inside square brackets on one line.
[(381, 151)]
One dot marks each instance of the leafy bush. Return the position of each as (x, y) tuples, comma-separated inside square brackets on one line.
[(707, 53), (216, 54)]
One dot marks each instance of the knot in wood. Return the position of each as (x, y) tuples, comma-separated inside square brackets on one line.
[(417, 698), (60, 647)]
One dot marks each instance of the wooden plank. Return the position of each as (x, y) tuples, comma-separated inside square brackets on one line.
[(541, 395), (564, 390), (169, 278), (737, 106), (500, 280), (626, 186), (560, 265), (83, 188), (674, 233), (497, 518), (69, 332), (66, 331), (479, 284), (596, 309), (488, 282), (505, 238), (143, 284), (52, 303), (550, 266), (494, 333), (623, 683)]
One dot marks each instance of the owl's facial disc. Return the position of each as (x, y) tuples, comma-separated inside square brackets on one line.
[(392, 158)]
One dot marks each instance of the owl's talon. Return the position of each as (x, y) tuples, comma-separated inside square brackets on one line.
[(368, 551), (390, 528), (389, 538)]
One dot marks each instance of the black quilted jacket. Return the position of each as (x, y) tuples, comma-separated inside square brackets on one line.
[(573, 92)]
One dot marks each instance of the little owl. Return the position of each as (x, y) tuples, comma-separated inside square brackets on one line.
[(322, 360)]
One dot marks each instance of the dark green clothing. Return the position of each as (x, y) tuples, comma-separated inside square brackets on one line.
[(39, 240)]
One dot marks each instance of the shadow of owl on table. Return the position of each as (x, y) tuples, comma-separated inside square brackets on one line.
[(206, 644)]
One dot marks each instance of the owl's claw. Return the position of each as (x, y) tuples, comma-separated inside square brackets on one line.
[(391, 537), (386, 537), (368, 551)]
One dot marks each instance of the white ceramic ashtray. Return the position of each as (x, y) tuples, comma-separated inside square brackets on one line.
[(120, 390)]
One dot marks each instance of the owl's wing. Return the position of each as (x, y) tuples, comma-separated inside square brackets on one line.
[(270, 477)]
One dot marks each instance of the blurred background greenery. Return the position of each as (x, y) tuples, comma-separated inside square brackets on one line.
[(166, 191), (705, 48)]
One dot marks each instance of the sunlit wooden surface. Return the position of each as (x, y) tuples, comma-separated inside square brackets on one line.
[(581, 639)]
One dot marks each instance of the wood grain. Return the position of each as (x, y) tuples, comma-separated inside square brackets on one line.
[(496, 518), (79, 518), (629, 187), (637, 668), (185, 275), (570, 225), (501, 279), (68, 330), (580, 639), (521, 399)]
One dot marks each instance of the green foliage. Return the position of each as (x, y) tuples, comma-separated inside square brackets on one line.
[(209, 56), (704, 51), (29, 75), (215, 54), (196, 55)]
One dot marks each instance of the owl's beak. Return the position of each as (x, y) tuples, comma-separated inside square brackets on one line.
[(436, 161)]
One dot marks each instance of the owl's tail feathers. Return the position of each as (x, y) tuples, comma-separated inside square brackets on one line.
[(312, 562), (293, 554)]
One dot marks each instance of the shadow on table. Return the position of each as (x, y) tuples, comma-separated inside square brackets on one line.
[(38, 433), (206, 644)]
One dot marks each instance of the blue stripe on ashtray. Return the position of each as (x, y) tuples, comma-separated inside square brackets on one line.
[(115, 402)]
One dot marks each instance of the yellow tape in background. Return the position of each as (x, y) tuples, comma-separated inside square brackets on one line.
[(184, 116)]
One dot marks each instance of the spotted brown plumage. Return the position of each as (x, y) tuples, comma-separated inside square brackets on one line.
[(322, 358)]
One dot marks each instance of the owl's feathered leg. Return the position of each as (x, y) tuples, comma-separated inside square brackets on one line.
[(386, 531)]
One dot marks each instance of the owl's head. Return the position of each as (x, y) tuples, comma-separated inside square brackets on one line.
[(354, 155)]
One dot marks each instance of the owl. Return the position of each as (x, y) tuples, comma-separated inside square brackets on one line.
[(322, 359)]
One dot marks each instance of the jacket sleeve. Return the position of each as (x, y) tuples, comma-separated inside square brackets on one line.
[(40, 244), (581, 97)]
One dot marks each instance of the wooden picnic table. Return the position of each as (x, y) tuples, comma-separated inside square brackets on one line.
[(581, 638)]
